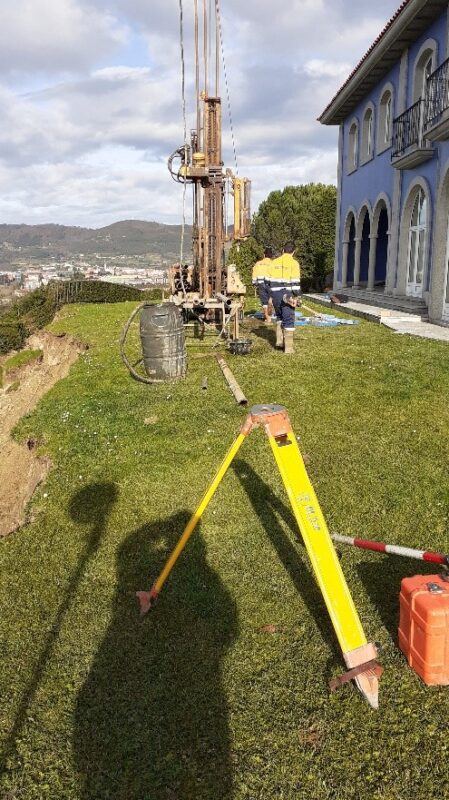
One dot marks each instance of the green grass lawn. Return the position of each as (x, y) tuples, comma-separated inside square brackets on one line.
[(197, 702)]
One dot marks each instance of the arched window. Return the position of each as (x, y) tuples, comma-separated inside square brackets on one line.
[(353, 151), (424, 67), (367, 135), (417, 245), (385, 120)]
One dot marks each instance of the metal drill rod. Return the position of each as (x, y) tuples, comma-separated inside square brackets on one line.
[(231, 381)]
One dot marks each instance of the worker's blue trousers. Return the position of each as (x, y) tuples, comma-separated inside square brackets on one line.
[(284, 311), (264, 293)]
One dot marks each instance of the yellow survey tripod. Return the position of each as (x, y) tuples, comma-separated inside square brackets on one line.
[(359, 655)]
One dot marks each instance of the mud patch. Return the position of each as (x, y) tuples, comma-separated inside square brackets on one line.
[(21, 470)]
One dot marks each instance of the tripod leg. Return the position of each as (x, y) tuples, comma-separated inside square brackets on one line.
[(328, 572), (146, 598)]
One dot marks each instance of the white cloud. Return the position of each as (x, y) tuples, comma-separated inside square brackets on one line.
[(95, 191), (47, 36), (320, 68), (88, 143)]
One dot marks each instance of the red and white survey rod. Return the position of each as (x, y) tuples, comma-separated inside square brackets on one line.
[(393, 549)]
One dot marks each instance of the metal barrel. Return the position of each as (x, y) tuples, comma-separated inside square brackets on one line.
[(163, 342)]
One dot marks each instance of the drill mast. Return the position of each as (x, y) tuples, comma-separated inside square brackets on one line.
[(199, 163)]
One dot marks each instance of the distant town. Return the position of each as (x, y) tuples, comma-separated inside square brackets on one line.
[(141, 271)]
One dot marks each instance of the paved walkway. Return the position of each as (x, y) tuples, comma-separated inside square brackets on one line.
[(398, 321)]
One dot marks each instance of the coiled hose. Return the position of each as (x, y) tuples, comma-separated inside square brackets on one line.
[(128, 365)]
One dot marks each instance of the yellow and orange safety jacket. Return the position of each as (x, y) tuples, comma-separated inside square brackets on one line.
[(284, 274), (260, 271)]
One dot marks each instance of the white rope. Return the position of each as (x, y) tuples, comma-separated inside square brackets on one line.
[(183, 88)]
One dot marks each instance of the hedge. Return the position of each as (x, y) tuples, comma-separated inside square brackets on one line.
[(38, 308), (96, 292)]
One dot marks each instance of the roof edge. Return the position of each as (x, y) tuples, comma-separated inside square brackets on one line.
[(405, 14)]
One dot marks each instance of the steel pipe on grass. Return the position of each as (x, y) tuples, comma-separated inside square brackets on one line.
[(231, 381)]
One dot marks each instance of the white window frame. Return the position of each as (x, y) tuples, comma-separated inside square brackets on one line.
[(385, 119), (353, 147), (446, 281), (427, 71), (428, 55), (388, 119), (418, 236), (367, 134)]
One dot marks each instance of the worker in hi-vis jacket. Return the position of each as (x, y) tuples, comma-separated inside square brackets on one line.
[(285, 289), (260, 272)]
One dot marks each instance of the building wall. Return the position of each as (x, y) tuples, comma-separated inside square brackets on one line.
[(371, 179), (377, 176)]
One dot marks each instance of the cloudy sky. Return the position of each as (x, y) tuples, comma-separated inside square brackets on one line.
[(90, 99)]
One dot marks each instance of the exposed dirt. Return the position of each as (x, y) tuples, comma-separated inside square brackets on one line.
[(21, 470)]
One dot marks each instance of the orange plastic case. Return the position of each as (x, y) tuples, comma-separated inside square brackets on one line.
[(424, 627)]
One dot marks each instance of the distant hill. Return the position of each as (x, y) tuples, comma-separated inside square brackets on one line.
[(129, 237)]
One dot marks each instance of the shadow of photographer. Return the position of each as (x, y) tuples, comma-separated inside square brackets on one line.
[(151, 719)]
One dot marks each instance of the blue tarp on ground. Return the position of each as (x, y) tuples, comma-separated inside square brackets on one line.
[(320, 321)]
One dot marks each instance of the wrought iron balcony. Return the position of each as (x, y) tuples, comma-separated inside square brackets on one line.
[(409, 145), (437, 104)]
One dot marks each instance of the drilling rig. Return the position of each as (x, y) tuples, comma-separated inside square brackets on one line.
[(206, 286)]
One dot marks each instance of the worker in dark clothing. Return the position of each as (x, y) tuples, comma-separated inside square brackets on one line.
[(260, 272), (285, 288)]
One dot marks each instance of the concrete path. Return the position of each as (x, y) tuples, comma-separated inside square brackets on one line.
[(398, 321)]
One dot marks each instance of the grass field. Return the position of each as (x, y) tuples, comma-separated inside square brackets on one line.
[(197, 701)]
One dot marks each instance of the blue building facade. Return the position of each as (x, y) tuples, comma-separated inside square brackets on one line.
[(392, 232)]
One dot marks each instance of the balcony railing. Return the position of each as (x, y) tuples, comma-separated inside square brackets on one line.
[(408, 130), (437, 101)]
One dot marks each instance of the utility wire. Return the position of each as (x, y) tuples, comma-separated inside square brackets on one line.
[(217, 6), (183, 89)]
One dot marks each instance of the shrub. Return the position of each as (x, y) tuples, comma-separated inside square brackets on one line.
[(12, 335), (37, 309), (304, 215), (244, 255)]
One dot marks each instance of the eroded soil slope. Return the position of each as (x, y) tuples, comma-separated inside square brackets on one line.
[(21, 470)]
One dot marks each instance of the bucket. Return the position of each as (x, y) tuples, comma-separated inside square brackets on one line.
[(163, 342)]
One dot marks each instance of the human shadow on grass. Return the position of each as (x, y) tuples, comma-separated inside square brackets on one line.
[(268, 507), (151, 720), (382, 581), (91, 504), (266, 332)]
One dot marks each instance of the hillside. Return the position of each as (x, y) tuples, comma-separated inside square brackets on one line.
[(128, 237)]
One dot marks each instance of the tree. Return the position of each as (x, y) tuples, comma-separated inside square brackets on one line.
[(305, 215), (244, 255)]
